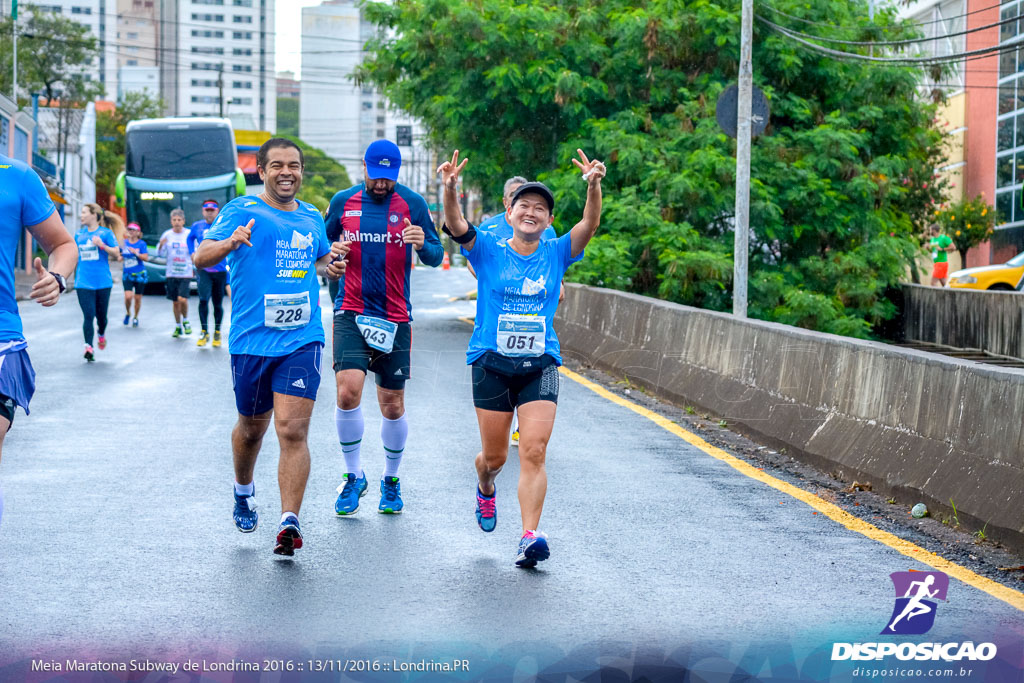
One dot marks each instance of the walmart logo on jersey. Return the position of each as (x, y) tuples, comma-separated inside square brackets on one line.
[(373, 237)]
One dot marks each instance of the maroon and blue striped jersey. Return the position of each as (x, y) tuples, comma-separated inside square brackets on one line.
[(376, 280)]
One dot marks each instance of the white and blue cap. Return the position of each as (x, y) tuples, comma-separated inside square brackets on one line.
[(383, 159)]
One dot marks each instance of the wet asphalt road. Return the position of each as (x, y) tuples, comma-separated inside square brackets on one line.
[(117, 535)]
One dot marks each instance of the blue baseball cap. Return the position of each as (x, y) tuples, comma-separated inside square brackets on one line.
[(383, 159)]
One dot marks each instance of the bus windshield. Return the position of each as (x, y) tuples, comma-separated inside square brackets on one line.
[(152, 210), (184, 153)]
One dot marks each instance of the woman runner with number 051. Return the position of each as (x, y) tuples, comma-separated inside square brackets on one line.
[(514, 350)]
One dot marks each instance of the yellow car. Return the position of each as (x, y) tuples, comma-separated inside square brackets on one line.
[(1004, 276)]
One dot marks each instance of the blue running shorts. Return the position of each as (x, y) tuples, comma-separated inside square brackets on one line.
[(257, 378), (17, 378)]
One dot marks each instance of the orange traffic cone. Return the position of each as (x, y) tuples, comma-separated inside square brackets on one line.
[(445, 264)]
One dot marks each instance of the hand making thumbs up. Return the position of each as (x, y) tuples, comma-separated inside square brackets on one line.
[(413, 234), (45, 290)]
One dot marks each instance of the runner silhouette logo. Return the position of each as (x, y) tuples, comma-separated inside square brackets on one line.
[(916, 595)]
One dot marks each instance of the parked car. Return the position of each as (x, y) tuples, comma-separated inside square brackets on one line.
[(1004, 276)]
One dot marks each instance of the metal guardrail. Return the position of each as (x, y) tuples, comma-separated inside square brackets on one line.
[(976, 355)]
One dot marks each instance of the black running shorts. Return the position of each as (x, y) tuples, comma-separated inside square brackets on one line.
[(494, 390), (351, 352)]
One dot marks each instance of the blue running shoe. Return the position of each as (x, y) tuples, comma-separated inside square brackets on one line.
[(245, 515), (349, 494), (486, 514), (126, 319), (533, 548), (390, 496), (289, 538)]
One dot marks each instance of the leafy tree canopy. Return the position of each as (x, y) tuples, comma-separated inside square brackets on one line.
[(53, 51), (841, 181), (287, 116)]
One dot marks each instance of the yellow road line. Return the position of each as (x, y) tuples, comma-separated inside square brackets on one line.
[(464, 296), (834, 512)]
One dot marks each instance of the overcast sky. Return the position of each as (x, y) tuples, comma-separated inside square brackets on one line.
[(288, 29)]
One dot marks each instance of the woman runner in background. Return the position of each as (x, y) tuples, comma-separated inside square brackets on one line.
[(97, 242)]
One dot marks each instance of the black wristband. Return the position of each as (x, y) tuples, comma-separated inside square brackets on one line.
[(62, 284), (465, 238)]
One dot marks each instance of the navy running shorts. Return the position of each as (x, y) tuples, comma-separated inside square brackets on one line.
[(257, 378), (17, 379), (351, 352), (494, 390)]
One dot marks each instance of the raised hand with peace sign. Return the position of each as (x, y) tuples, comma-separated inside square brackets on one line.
[(455, 222), (450, 171), (593, 171)]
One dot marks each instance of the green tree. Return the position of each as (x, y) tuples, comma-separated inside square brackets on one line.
[(287, 116), (110, 133), (322, 176), (840, 183), (968, 222), (52, 52)]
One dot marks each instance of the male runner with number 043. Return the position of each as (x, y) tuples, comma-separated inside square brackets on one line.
[(514, 350), (277, 248), (384, 221)]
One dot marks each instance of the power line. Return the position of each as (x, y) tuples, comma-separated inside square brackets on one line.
[(919, 61), (894, 43), (898, 26)]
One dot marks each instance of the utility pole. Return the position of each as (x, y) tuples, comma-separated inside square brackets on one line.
[(220, 89), (742, 223), (14, 30)]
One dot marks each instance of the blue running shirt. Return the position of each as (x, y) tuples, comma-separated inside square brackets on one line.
[(23, 202), (132, 263), (195, 235), (94, 263), (271, 279), (511, 284)]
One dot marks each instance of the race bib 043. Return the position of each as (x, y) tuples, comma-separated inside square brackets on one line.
[(378, 333)]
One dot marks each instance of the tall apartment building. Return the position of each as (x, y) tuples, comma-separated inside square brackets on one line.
[(340, 117), (218, 59)]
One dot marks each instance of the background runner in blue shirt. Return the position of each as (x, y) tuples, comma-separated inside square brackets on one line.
[(134, 277), (25, 203), (97, 242), (514, 350), (274, 245), (213, 281)]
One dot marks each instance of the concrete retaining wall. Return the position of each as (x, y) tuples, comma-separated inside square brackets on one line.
[(965, 318), (918, 426)]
